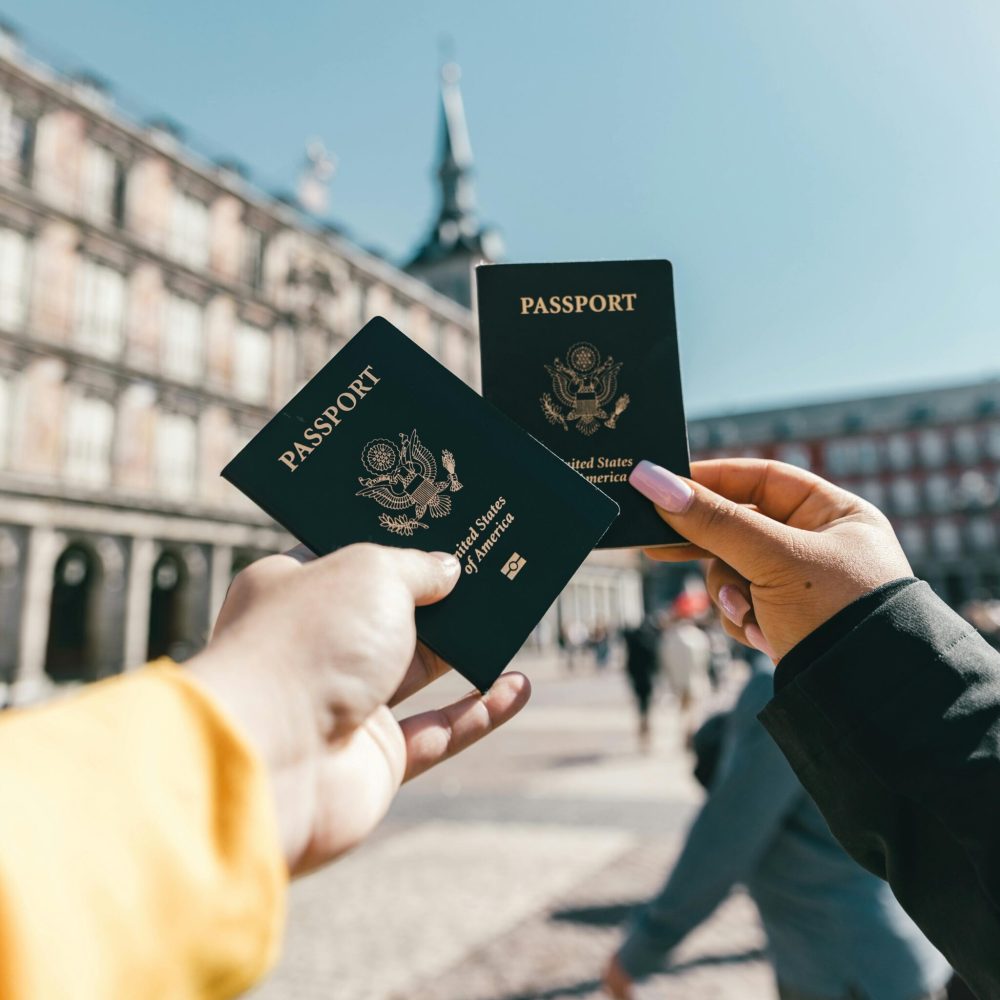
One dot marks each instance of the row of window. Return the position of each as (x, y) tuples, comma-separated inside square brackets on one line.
[(949, 539), (88, 444), (103, 197), (99, 328), (937, 494), (932, 448), (104, 179)]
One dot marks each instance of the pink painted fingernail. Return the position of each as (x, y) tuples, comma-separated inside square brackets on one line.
[(756, 639), (734, 605), (662, 487)]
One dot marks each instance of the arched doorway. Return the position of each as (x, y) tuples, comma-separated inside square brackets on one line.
[(168, 608), (70, 653)]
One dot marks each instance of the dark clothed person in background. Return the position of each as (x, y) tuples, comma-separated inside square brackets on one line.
[(641, 665), (600, 643)]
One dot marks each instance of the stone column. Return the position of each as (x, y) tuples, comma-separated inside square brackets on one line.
[(142, 558), (44, 547), (222, 569)]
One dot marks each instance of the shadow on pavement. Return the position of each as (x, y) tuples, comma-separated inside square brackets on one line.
[(589, 986), (558, 992), (577, 759), (731, 958), (609, 915)]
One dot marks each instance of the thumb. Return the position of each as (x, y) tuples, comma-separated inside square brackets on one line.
[(748, 541), (430, 576)]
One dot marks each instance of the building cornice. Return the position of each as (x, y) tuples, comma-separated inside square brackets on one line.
[(33, 505)]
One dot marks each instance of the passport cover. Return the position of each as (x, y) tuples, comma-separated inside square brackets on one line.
[(584, 357), (386, 445)]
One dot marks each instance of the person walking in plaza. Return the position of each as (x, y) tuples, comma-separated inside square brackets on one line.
[(600, 643), (641, 666), (886, 702), (834, 930), (685, 652)]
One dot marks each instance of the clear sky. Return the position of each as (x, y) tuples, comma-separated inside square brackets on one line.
[(825, 177)]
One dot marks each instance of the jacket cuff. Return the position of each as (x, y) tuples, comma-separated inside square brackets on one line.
[(243, 833), (862, 690), (801, 656)]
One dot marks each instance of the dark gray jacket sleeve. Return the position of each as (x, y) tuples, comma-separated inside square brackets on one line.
[(893, 726)]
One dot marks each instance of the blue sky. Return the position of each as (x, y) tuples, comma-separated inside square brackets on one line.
[(825, 177)]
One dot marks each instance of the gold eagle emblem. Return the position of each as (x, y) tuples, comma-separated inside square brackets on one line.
[(585, 385), (404, 476)]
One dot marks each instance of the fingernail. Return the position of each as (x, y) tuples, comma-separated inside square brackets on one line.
[(756, 639), (734, 605), (450, 563), (662, 487)]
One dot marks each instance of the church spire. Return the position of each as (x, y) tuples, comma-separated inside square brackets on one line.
[(458, 202), (457, 241)]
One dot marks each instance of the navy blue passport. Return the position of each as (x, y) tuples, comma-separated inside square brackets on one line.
[(584, 357), (386, 445)]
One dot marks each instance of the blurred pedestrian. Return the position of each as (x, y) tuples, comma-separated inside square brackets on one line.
[(600, 643), (685, 652), (834, 931), (641, 666), (720, 661), (575, 636)]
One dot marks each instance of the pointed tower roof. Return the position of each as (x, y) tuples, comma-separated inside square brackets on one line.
[(456, 236), (456, 150)]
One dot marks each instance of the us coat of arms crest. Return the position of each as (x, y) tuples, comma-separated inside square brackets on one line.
[(585, 385), (404, 479)]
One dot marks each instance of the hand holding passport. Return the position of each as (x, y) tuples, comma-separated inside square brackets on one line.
[(306, 656), (385, 445)]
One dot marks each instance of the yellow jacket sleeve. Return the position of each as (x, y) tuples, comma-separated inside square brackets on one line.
[(139, 854)]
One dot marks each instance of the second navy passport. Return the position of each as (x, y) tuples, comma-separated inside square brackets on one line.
[(386, 445), (584, 357)]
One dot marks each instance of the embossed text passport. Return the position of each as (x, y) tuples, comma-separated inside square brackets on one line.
[(584, 357), (386, 445)]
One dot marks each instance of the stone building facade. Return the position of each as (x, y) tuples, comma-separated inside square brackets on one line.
[(155, 309)]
